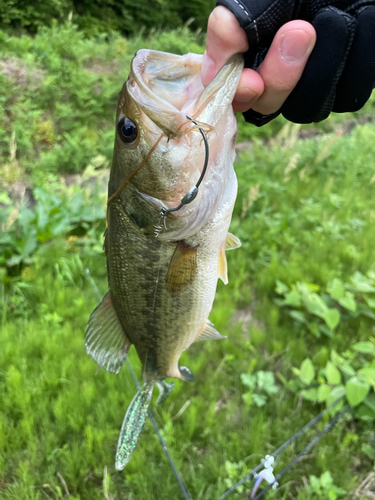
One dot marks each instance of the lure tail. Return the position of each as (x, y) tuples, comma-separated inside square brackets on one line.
[(133, 424)]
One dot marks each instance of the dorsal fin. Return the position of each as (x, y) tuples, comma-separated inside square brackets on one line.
[(232, 242), (182, 268), (209, 333), (105, 339), (223, 266)]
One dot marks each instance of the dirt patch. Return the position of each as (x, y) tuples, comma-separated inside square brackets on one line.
[(16, 70)]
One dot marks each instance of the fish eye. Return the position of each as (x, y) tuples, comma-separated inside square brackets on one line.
[(127, 130)]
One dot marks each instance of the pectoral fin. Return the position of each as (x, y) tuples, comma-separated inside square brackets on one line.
[(105, 339), (232, 242), (182, 269), (209, 333)]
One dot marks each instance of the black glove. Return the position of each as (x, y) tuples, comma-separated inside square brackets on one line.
[(340, 73)]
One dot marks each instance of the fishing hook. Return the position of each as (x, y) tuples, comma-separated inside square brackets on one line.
[(192, 193)]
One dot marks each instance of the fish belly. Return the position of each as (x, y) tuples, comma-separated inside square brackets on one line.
[(161, 324)]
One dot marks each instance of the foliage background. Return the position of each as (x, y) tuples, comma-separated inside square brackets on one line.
[(103, 16), (299, 309)]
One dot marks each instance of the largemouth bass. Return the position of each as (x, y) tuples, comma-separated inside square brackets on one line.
[(167, 222)]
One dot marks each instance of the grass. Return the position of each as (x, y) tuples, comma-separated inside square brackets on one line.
[(305, 214)]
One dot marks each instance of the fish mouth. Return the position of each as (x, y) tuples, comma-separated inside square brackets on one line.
[(167, 87)]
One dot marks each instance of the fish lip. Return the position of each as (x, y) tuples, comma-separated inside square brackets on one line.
[(169, 118), (147, 66)]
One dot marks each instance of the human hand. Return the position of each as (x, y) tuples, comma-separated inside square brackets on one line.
[(338, 76), (265, 89)]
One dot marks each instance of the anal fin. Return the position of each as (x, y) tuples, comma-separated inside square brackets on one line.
[(223, 266), (209, 333), (105, 339)]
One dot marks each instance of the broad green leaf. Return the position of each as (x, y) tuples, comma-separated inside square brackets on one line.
[(310, 394), (332, 318), (293, 298), (312, 287), (365, 347), (4, 198), (315, 305), (326, 479), (336, 289), (298, 316), (336, 358), (323, 392), (360, 283), (332, 373), (356, 391), (364, 413), (259, 399), (249, 380), (307, 371), (370, 401), (266, 382), (336, 393), (370, 302), (347, 302), (347, 369), (281, 288), (367, 374)]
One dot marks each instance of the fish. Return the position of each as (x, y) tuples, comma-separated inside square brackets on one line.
[(171, 194)]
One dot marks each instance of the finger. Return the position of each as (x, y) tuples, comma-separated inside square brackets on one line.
[(250, 88), (357, 80), (313, 97), (225, 38), (284, 64)]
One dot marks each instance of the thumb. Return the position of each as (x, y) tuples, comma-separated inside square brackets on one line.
[(225, 38)]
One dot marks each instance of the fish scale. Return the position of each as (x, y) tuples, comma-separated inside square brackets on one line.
[(163, 272)]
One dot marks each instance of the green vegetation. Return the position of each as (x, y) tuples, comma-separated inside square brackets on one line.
[(298, 310), (104, 16)]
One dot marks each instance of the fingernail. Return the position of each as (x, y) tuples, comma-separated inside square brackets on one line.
[(295, 45), (208, 69), (245, 95)]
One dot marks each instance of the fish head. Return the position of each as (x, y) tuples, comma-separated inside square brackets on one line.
[(159, 150)]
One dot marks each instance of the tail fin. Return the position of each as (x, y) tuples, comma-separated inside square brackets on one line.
[(133, 424)]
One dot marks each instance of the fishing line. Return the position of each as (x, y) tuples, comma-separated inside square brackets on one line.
[(159, 266), (287, 443), (161, 440), (307, 448), (192, 193), (327, 428), (150, 415), (128, 179)]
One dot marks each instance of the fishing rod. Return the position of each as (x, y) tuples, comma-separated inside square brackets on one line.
[(266, 463), (253, 473)]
